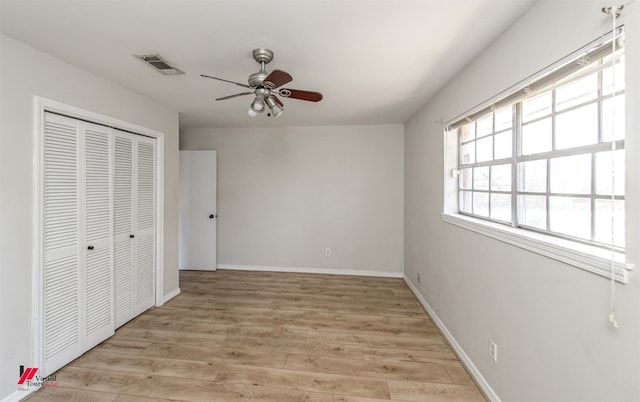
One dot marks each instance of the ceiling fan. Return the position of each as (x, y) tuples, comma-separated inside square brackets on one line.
[(265, 86)]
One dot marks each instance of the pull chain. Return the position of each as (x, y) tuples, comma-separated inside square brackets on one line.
[(615, 13)]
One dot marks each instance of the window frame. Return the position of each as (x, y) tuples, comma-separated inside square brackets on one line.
[(585, 254)]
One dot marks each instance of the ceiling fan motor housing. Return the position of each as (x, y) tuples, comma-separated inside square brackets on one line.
[(256, 79)]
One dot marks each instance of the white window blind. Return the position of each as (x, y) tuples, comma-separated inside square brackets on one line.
[(548, 156)]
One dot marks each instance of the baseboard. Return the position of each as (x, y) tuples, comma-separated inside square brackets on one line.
[(171, 295), (18, 395), (464, 358), (326, 271)]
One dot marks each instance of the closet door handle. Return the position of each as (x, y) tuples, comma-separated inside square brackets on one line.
[(131, 236), (90, 248)]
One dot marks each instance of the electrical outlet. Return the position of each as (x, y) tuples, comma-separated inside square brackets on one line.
[(493, 351), (418, 277), (327, 252)]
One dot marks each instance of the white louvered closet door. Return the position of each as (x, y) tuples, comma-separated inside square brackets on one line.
[(97, 244), (61, 235), (145, 221), (98, 236), (124, 238)]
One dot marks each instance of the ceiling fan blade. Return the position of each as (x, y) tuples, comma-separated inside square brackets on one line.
[(302, 95), (222, 79), (233, 96), (277, 78)]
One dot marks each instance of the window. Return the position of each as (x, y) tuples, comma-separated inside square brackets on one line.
[(486, 149), (549, 159)]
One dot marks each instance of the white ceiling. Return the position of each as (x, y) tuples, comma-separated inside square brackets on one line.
[(375, 61)]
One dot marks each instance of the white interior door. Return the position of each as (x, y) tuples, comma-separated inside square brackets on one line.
[(98, 236), (198, 210), (124, 238), (61, 285), (145, 221)]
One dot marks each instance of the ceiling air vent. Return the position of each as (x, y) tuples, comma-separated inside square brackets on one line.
[(158, 63)]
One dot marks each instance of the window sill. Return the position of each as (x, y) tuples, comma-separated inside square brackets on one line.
[(589, 258)]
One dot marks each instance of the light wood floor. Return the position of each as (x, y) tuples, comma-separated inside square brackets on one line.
[(256, 336)]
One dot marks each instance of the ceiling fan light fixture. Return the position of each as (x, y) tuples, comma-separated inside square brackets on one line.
[(276, 110), (257, 105), (252, 113)]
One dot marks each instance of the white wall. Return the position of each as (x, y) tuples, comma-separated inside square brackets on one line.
[(25, 73), (287, 194), (550, 320)]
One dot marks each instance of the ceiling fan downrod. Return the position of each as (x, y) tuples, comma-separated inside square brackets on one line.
[(262, 57)]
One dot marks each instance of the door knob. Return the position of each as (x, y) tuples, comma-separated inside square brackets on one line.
[(131, 236), (90, 248), (212, 216)]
